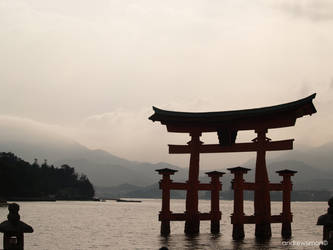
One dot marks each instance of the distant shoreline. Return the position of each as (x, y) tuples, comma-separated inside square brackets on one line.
[(37, 199)]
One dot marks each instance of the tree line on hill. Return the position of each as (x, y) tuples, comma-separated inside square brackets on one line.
[(20, 179)]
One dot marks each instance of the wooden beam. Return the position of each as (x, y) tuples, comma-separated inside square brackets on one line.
[(178, 217), (205, 186), (178, 186), (184, 186), (251, 219), (237, 147), (275, 186), (205, 216), (276, 218), (269, 122), (183, 216), (249, 186)]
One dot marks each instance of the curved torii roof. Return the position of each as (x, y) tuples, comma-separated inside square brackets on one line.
[(282, 115)]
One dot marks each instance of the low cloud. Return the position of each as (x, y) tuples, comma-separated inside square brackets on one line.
[(316, 10), (25, 129), (128, 134)]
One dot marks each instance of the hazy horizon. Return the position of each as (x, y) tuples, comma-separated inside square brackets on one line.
[(91, 71)]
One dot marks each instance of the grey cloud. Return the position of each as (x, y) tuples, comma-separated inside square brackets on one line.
[(316, 10), (13, 128)]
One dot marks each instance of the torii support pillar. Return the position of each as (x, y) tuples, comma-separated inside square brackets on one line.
[(192, 223), (165, 214), (215, 200), (286, 210), (237, 218), (262, 202)]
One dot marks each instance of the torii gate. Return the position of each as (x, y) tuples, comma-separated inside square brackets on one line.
[(227, 124)]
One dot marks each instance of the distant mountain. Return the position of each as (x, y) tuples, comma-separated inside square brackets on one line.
[(101, 167), (110, 174), (306, 174), (314, 165), (320, 158), (150, 191), (314, 175), (30, 142), (115, 191)]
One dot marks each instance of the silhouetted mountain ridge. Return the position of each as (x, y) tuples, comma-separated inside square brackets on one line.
[(107, 170), (102, 167)]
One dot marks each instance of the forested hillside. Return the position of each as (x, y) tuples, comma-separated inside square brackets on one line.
[(19, 178)]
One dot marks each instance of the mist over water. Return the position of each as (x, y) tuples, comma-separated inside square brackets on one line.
[(116, 225)]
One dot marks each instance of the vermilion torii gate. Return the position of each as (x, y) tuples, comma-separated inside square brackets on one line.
[(227, 124)]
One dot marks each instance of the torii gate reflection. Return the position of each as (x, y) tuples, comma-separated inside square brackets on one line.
[(227, 124)]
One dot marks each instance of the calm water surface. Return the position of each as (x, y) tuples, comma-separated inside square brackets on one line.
[(113, 225)]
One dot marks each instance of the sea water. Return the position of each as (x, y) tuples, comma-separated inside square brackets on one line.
[(70, 225)]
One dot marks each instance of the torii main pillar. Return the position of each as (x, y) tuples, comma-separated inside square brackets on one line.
[(192, 223), (262, 201)]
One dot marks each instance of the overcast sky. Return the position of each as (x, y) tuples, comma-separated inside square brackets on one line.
[(92, 70)]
